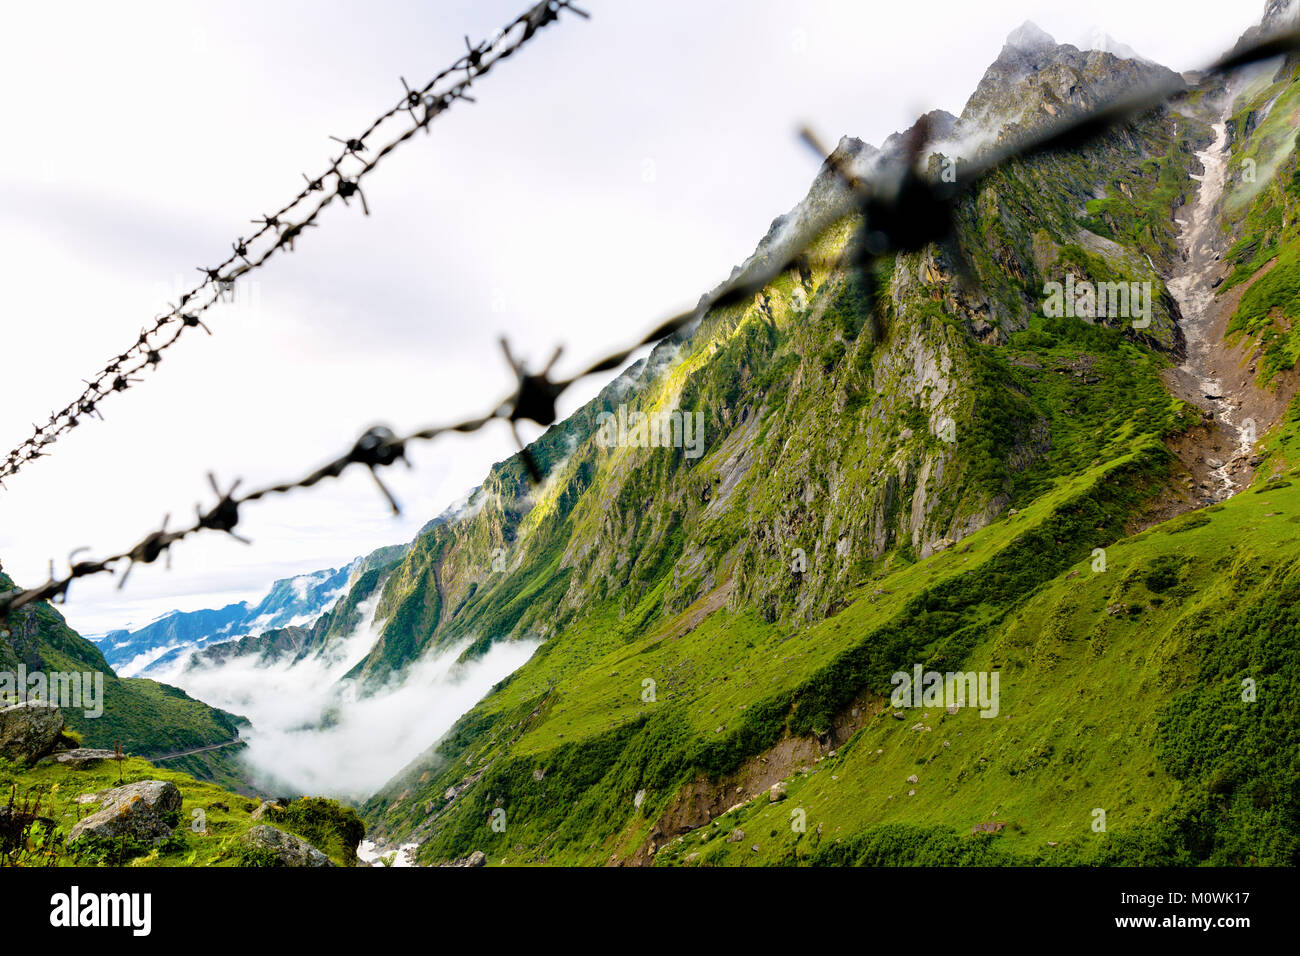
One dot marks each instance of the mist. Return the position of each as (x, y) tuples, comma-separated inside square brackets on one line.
[(313, 733)]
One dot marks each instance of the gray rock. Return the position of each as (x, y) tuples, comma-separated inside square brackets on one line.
[(81, 757), (289, 850), (29, 731), (477, 858), (143, 811)]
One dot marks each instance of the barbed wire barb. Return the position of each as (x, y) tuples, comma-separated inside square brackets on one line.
[(278, 230)]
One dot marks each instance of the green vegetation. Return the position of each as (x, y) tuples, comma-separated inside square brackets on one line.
[(690, 656), (145, 717), (332, 828), (938, 476), (1269, 312), (1138, 198), (207, 830)]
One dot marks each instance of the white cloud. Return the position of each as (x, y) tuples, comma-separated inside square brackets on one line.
[(367, 739)]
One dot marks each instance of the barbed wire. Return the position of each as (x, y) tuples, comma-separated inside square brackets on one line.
[(904, 212), (279, 230)]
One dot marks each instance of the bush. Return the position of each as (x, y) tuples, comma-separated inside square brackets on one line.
[(326, 824)]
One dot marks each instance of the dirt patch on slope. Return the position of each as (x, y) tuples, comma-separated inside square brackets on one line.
[(1218, 455), (699, 802)]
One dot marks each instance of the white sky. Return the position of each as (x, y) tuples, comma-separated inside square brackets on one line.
[(142, 137)]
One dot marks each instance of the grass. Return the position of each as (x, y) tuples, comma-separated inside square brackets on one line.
[(1138, 713), (212, 820), (1269, 311)]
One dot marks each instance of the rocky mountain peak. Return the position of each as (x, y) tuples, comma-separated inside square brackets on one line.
[(938, 126), (1279, 15), (1035, 81), (1029, 37), (1101, 41)]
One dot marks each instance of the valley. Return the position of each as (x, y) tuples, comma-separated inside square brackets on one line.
[(685, 652)]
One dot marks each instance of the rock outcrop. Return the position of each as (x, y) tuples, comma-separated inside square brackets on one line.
[(285, 848), (80, 757), (145, 811), (29, 730)]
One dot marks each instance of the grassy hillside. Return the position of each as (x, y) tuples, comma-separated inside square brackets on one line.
[(207, 832), (719, 626), (145, 717), (1262, 208), (1121, 691)]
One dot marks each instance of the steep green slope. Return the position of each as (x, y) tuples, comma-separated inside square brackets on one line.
[(1122, 692), (879, 489), (1159, 691), (951, 478), (1262, 208), (857, 437)]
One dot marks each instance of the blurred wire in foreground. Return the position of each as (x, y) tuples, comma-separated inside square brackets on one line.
[(279, 230)]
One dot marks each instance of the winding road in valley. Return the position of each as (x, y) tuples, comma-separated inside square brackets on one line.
[(195, 750)]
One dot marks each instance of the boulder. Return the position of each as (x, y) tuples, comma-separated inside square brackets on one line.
[(144, 811), (29, 730), (80, 757), (288, 850), (776, 792), (477, 858)]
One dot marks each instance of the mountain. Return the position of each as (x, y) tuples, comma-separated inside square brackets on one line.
[(290, 602), (968, 571), (1102, 41), (145, 717), (954, 477), (1279, 15)]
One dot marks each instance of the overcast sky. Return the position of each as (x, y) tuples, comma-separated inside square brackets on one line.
[(609, 174)]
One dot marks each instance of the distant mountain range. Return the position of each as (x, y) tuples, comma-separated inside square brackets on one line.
[(291, 602)]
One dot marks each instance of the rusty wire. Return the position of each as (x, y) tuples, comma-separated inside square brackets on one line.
[(901, 213)]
